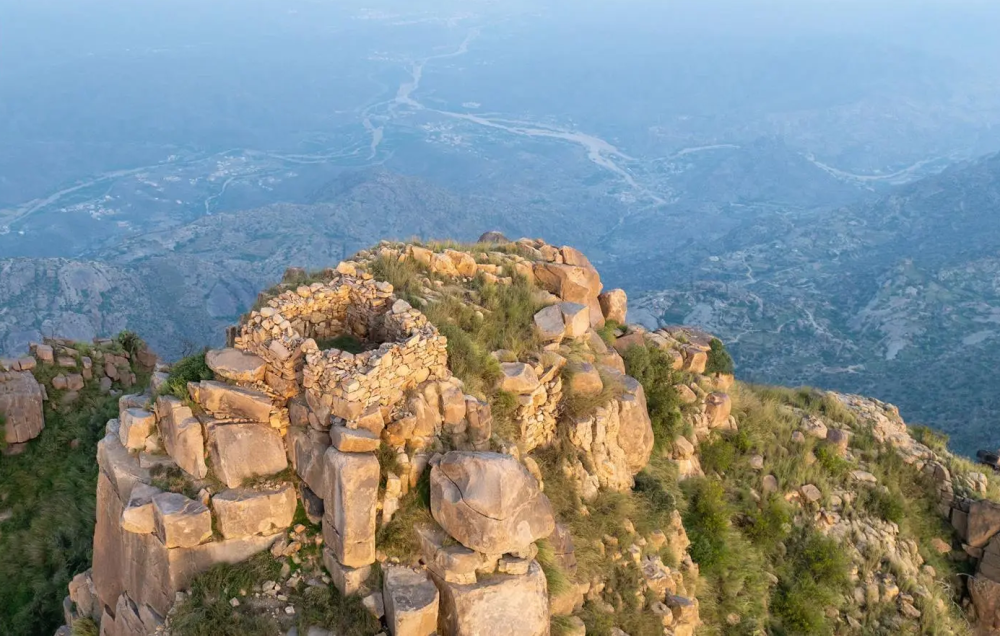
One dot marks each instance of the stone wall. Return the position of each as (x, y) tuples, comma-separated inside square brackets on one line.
[(346, 385), (279, 399)]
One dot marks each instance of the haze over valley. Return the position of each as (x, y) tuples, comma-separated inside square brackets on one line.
[(811, 183)]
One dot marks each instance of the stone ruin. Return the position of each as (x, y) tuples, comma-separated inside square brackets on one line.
[(285, 398)]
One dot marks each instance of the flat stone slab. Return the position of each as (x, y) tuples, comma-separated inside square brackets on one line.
[(350, 506), (181, 522), (241, 513), (236, 365), (500, 605), (242, 451), (348, 440), (182, 436), (411, 602), (225, 401)]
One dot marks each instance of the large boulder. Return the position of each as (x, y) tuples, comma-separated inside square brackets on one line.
[(242, 451), (231, 402), (489, 502), (182, 435), (307, 448), (180, 522), (635, 432), (718, 407), (20, 406), (242, 512), (984, 522), (134, 426), (549, 324), (518, 378), (501, 605), (985, 595), (614, 304), (350, 504), (411, 602), (236, 365), (576, 318)]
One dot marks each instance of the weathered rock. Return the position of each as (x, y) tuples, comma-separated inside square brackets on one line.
[(614, 304), (811, 493), (584, 379), (236, 365), (984, 522), (518, 378), (411, 602), (489, 502), (346, 579), (307, 448), (21, 400), (139, 516), (242, 451), (225, 401), (349, 440), (350, 506), (549, 324), (718, 407), (500, 605), (694, 359), (985, 595), (635, 434), (576, 318), (182, 435), (135, 425), (44, 353), (180, 522), (838, 440), (493, 236), (241, 512)]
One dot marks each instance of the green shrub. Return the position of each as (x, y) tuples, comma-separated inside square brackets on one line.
[(190, 369), (653, 369), (130, 342), (814, 576), (798, 609), (50, 489), (934, 440), (719, 360), (882, 503), (706, 521), (717, 455), (768, 524), (608, 330), (833, 463), (651, 489), (84, 627)]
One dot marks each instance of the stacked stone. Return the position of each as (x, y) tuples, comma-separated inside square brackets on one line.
[(278, 332), (349, 487), (494, 509), (346, 385), (149, 544)]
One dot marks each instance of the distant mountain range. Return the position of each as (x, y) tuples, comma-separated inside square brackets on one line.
[(896, 296), (813, 278)]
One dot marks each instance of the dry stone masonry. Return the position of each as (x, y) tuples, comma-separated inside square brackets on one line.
[(290, 417)]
